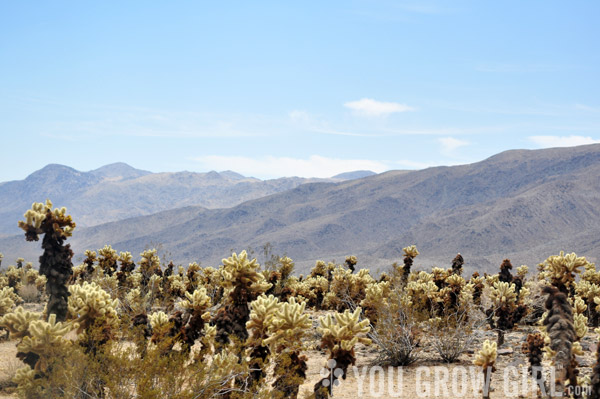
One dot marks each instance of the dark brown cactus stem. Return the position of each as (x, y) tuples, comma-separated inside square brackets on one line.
[(559, 325), (505, 274), (408, 262), (533, 348), (351, 263), (457, 264)]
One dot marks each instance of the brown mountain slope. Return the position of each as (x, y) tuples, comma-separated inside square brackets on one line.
[(118, 191), (520, 204)]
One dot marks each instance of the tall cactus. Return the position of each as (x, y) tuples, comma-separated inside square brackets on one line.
[(560, 329), (55, 262)]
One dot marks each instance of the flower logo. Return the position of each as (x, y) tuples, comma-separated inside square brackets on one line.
[(333, 373)]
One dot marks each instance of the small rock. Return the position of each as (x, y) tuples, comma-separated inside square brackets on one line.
[(582, 361), (505, 351)]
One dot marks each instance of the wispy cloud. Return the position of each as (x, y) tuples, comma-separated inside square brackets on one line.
[(269, 167), (450, 144), (370, 107), (562, 141)]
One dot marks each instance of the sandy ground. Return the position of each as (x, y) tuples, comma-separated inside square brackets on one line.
[(417, 380)]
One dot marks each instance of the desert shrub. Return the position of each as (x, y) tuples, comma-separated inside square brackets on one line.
[(398, 332), (30, 293)]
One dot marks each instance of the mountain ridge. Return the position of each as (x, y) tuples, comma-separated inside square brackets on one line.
[(117, 191), (525, 205)]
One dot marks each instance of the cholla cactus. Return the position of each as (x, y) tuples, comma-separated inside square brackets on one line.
[(95, 312), (561, 269), (242, 283), (7, 300), (478, 285), (561, 332), (457, 264), (159, 321), (1, 257), (149, 266), (410, 253), (43, 340), (89, 302), (127, 266), (55, 262), (262, 313), (287, 328), (346, 287), (533, 348), (108, 260), (504, 300), (589, 292), (486, 359), (505, 274), (522, 271), (196, 314), (340, 337), (17, 322), (375, 299), (351, 262)]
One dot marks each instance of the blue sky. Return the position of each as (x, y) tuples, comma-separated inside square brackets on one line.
[(293, 88)]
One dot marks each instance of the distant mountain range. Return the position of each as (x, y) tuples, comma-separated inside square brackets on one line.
[(520, 204), (119, 191)]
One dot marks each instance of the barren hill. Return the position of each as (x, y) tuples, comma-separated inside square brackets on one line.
[(521, 204)]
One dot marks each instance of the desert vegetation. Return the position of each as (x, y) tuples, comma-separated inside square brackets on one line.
[(115, 327)]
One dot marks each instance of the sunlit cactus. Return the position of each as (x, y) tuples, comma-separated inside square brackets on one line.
[(95, 312), (486, 359), (346, 287), (288, 329), (107, 260), (195, 316), (351, 262), (17, 322), (243, 283), (410, 253), (375, 300), (561, 269), (55, 262), (7, 300), (340, 335), (44, 339), (522, 271), (504, 306), (149, 266), (262, 312)]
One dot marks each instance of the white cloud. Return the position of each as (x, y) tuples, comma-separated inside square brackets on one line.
[(370, 107), (270, 167), (562, 141), (449, 144)]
